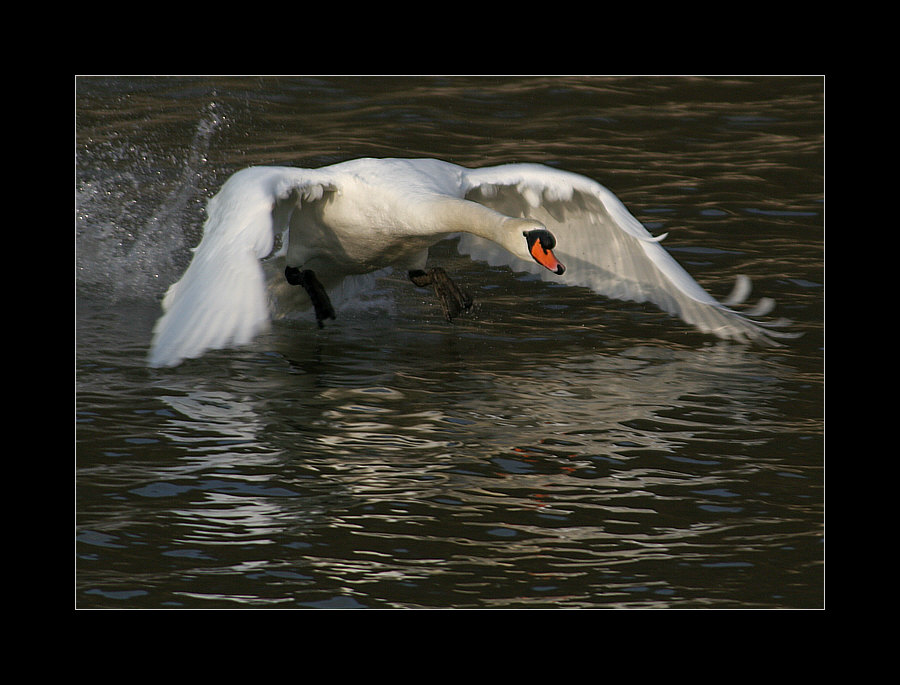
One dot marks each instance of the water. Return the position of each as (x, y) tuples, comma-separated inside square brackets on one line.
[(552, 450)]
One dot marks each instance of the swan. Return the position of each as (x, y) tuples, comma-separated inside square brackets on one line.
[(360, 216)]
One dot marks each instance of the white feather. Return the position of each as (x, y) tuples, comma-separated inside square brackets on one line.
[(364, 215), (604, 247)]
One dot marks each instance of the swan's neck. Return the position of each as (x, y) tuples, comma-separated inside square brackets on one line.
[(464, 216)]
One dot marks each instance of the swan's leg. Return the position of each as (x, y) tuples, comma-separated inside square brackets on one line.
[(314, 289), (452, 299)]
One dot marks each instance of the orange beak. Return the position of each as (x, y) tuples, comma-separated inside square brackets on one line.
[(546, 258)]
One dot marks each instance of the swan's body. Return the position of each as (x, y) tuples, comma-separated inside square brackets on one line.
[(364, 215)]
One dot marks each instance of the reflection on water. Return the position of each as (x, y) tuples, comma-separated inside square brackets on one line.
[(575, 453)]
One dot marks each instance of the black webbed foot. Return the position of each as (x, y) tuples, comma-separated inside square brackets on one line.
[(453, 300), (315, 290)]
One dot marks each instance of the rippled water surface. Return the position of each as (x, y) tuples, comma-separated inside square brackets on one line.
[(554, 449)]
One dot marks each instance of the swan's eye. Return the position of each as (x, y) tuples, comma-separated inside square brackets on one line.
[(545, 237)]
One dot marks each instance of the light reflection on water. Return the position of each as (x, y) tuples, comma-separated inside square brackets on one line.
[(580, 454)]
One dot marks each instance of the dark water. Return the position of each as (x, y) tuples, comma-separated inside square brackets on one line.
[(553, 450)]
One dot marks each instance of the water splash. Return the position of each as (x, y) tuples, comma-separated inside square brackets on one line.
[(130, 242)]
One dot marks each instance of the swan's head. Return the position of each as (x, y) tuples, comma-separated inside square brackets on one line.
[(540, 243)]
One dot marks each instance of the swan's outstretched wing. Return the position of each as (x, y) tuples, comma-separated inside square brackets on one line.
[(604, 247), (221, 299)]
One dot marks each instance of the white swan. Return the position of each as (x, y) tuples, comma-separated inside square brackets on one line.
[(364, 215)]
